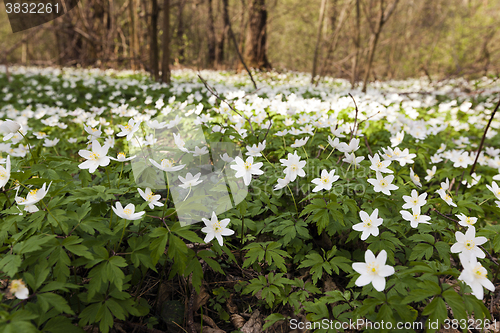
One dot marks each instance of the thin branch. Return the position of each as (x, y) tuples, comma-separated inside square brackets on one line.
[(484, 136), (489, 255), (355, 117), (214, 92), (231, 34), (439, 213)]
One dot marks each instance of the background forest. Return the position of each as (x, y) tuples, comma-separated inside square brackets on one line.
[(354, 39)]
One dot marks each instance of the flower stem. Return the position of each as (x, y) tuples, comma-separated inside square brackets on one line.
[(293, 198), (29, 147)]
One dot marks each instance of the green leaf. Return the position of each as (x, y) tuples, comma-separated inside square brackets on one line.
[(10, 264), (436, 310), (58, 302)]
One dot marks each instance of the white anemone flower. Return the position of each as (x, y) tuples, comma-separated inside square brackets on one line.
[(200, 151), (50, 143), (415, 217), (383, 184), (180, 143), (294, 166), (150, 197), (5, 172), (129, 129), (467, 244), (430, 173), (121, 157), (216, 229), (379, 166), (246, 169), (283, 182), (370, 224), (466, 221), (127, 213), (415, 178), (352, 159), (299, 143), (18, 288), (349, 148), (154, 124), (256, 150), (34, 196), (190, 180), (167, 165), (9, 127), (415, 200), (95, 158), (476, 277), (373, 270), (326, 181), (446, 197), (494, 189)]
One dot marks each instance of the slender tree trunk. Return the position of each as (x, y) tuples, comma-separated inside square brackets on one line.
[(357, 30), (180, 32), (211, 36), (165, 68), (153, 49), (383, 17), (133, 38), (225, 17), (255, 45), (318, 39)]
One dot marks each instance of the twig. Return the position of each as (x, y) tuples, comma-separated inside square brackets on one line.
[(239, 53), (214, 92), (449, 218), (482, 139), (368, 146), (489, 255), (355, 118)]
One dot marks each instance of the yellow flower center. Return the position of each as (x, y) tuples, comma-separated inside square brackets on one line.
[(121, 155), (383, 183), (417, 178), (379, 165), (217, 226), (415, 216), (469, 245), (248, 165), (150, 196), (468, 220), (16, 285), (94, 156), (325, 179), (367, 224), (33, 192), (127, 211), (372, 268)]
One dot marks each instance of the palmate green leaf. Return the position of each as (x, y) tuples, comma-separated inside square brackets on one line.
[(421, 250), (207, 256), (276, 256), (33, 243), (456, 303), (436, 310), (47, 300), (10, 264), (72, 244), (61, 324), (159, 244), (273, 318)]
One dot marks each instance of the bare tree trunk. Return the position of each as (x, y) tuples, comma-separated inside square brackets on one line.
[(335, 35), (357, 39), (318, 39), (383, 17), (255, 45), (220, 46), (180, 32), (165, 68), (211, 36), (133, 35), (153, 49)]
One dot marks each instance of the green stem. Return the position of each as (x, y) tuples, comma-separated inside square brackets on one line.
[(29, 147), (293, 198)]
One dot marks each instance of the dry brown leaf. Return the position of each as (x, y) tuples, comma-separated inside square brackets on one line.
[(237, 321)]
